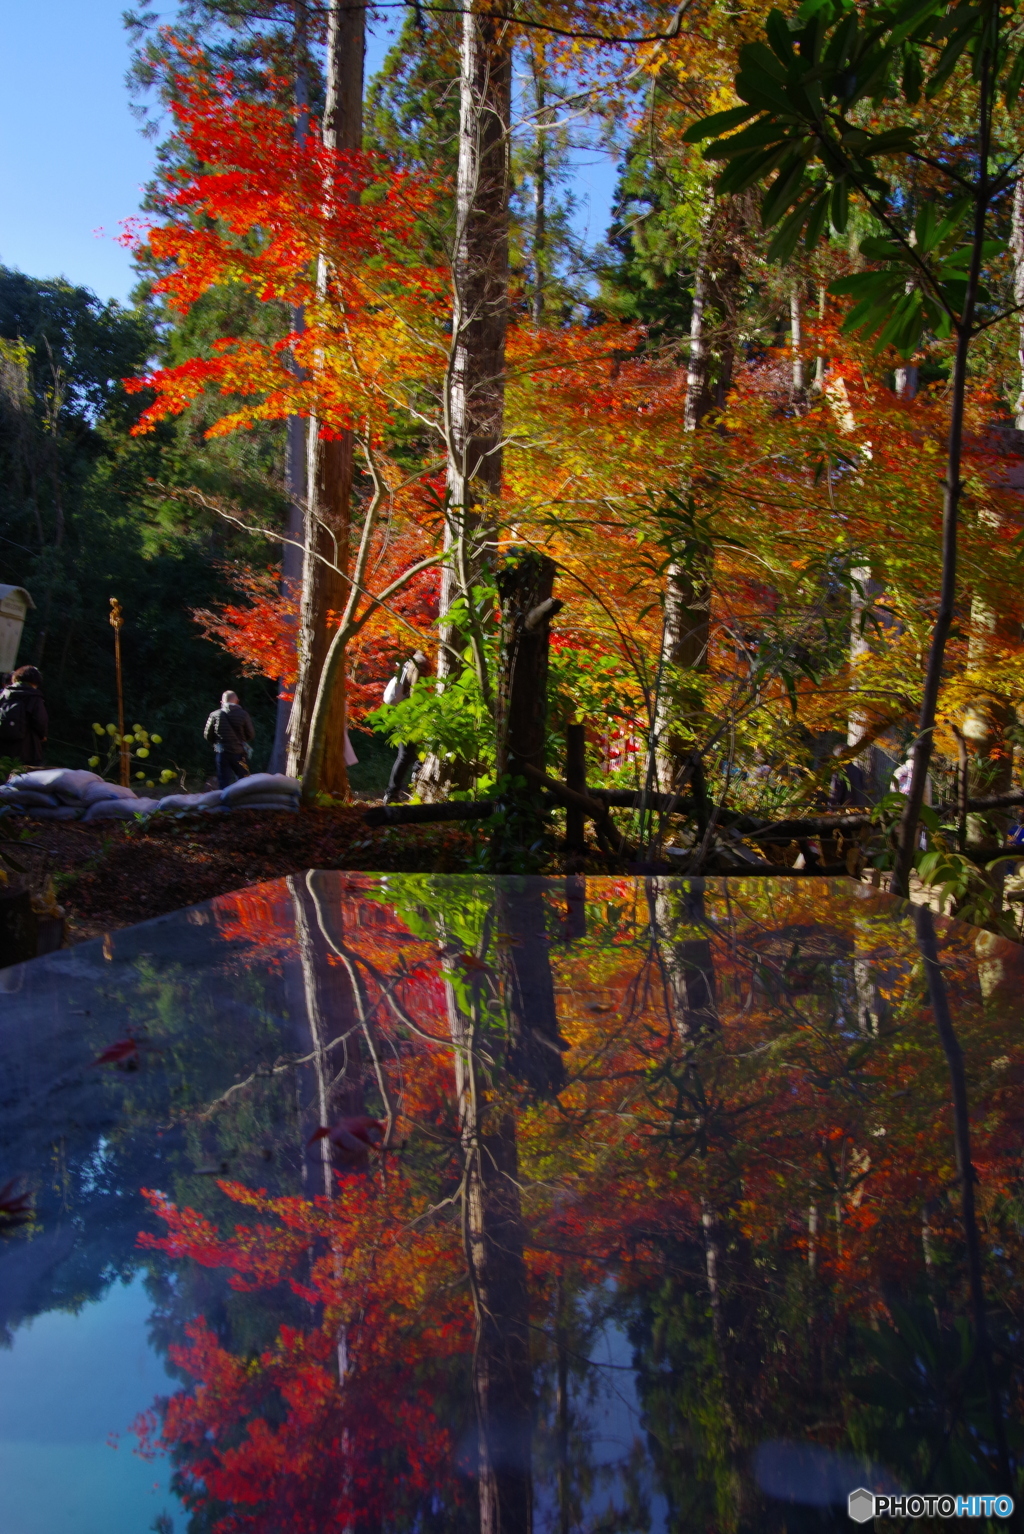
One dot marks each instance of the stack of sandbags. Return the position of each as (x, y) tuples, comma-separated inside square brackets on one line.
[(123, 806), (210, 801), (262, 791), (106, 793), (61, 793), (58, 793), (26, 799)]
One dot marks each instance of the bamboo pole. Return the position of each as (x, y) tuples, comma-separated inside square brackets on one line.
[(117, 623)]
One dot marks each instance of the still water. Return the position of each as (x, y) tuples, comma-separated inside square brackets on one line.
[(409, 1203)]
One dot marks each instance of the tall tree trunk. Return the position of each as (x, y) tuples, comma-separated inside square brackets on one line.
[(907, 836), (494, 1238), (329, 464), (292, 560), (474, 403), (859, 770), (988, 719), (528, 989), (1017, 250), (906, 379), (540, 181), (819, 361), (330, 1014), (686, 631), (796, 339), (295, 439), (476, 388), (688, 962)]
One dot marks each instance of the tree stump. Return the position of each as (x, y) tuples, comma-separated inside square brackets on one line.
[(525, 583)]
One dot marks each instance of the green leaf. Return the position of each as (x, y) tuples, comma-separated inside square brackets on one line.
[(910, 18), (895, 139), (763, 93), (927, 866), (780, 39), (816, 223), (838, 50), (948, 61), (840, 206), (757, 136), (783, 191), (913, 76), (744, 171), (811, 8), (762, 61), (905, 327), (718, 122), (785, 242), (867, 284), (876, 248), (925, 225), (929, 818), (1011, 90)]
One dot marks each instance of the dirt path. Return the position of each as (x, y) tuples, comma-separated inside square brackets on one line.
[(111, 875)]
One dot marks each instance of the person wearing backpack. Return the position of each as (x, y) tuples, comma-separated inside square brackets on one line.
[(398, 689), (230, 730), (24, 723)]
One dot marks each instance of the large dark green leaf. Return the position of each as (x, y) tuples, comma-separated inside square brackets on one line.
[(761, 133), (762, 92), (744, 171), (784, 190), (718, 122)]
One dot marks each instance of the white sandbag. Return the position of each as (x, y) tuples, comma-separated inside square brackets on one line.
[(62, 812), (27, 798), (96, 793), (208, 801), (119, 809), (261, 784), (66, 783)]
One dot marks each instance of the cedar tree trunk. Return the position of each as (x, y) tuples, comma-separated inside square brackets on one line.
[(329, 469)]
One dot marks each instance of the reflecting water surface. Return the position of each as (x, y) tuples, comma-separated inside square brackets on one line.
[(506, 1204)]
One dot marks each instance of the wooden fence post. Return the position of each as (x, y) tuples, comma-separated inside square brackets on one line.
[(575, 778)]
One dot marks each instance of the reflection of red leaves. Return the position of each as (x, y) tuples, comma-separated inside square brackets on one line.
[(124, 1054), (268, 1435), (472, 963), (15, 1207)]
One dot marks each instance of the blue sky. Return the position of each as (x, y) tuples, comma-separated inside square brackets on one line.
[(72, 159)]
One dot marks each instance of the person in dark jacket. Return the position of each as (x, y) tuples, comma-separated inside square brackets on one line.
[(229, 730), (24, 724), (397, 691)]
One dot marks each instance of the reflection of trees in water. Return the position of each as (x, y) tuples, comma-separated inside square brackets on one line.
[(85, 1153), (621, 1123), (505, 1033)]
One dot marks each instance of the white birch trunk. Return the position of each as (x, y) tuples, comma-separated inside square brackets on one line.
[(1017, 251)]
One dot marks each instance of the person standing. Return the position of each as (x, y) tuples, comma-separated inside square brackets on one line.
[(24, 723), (398, 689), (230, 730)]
